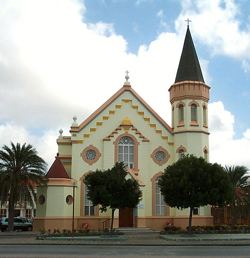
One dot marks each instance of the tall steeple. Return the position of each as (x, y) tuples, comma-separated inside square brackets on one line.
[(189, 97), (189, 67)]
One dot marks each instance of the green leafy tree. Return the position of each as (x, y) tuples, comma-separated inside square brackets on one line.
[(21, 170), (192, 182), (111, 189), (241, 190)]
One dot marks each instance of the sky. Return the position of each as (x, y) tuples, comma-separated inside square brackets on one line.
[(64, 58)]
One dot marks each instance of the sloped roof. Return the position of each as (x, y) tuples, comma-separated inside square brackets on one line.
[(57, 170), (189, 67), (112, 99)]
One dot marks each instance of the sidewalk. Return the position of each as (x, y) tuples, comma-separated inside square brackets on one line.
[(27, 238)]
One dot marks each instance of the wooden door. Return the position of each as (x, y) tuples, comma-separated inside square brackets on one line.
[(126, 217)]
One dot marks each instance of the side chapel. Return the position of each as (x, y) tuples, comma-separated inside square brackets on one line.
[(125, 128)]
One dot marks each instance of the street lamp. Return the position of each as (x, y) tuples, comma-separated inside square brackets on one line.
[(73, 207)]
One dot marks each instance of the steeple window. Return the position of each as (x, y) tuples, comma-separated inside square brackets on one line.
[(204, 112), (205, 151), (194, 113), (181, 152), (181, 114), (173, 125)]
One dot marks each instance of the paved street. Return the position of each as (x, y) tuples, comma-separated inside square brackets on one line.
[(25, 244), (121, 251)]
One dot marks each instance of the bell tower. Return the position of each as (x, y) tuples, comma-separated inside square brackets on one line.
[(189, 96)]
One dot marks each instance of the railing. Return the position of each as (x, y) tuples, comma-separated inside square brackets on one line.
[(225, 216)]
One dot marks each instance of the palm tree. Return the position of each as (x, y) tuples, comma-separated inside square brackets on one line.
[(21, 170), (241, 199)]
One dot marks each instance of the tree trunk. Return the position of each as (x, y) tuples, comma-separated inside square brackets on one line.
[(112, 220), (11, 212), (190, 220)]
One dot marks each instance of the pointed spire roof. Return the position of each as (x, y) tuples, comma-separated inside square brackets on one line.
[(189, 67), (57, 169)]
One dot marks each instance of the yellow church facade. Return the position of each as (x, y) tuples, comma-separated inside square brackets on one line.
[(125, 128)]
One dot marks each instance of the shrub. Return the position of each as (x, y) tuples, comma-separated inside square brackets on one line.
[(171, 228)]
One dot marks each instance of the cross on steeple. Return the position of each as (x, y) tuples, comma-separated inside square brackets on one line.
[(188, 21)]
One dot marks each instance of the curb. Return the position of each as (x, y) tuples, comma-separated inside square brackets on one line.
[(127, 244), (124, 240)]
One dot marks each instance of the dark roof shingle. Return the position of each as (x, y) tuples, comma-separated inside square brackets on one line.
[(57, 170)]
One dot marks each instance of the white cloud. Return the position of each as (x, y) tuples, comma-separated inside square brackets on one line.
[(45, 143), (247, 134), (52, 68), (53, 65), (217, 24), (101, 28), (224, 147)]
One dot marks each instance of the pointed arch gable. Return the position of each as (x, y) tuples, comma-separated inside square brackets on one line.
[(125, 88)]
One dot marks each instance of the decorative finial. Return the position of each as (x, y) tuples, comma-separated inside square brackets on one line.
[(188, 21), (74, 124), (127, 78), (60, 132)]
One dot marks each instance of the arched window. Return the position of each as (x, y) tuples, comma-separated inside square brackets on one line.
[(173, 117), (181, 114), (89, 208), (194, 113), (160, 205), (126, 148), (205, 154), (181, 152), (204, 116)]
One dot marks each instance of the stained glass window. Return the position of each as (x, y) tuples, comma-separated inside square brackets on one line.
[(126, 151)]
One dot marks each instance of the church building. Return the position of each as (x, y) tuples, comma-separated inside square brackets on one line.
[(125, 128)]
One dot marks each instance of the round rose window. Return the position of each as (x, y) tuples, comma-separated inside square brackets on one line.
[(90, 154), (160, 155)]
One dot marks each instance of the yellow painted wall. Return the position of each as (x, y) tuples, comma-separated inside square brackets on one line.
[(101, 133)]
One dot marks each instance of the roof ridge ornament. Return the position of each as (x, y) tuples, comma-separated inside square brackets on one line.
[(127, 78)]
